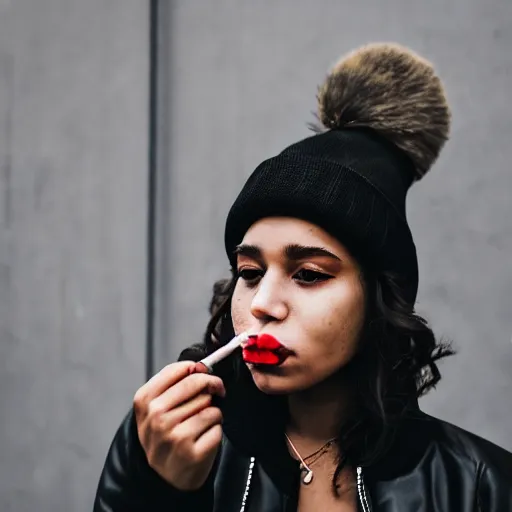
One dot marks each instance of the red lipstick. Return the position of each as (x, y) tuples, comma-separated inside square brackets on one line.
[(264, 349)]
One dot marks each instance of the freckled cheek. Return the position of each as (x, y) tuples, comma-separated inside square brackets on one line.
[(240, 311), (335, 336)]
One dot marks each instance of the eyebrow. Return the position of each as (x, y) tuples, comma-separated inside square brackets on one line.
[(294, 252)]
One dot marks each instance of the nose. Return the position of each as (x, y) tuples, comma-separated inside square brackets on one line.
[(269, 303)]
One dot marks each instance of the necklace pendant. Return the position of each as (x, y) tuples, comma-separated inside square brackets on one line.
[(308, 477)]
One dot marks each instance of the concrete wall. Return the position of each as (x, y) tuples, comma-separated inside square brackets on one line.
[(73, 174), (242, 80)]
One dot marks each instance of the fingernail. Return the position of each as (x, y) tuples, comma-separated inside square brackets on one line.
[(201, 368)]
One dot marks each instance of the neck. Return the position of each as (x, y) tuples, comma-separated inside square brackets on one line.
[(315, 414)]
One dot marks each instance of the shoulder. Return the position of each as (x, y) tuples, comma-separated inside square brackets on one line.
[(470, 449), (446, 460)]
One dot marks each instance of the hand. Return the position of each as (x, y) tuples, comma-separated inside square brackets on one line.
[(178, 428)]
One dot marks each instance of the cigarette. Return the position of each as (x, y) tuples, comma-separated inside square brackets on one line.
[(224, 351)]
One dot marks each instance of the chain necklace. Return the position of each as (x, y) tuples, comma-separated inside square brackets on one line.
[(306, 468)]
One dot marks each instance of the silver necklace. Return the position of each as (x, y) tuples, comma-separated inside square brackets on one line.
[(361, 489), (304, 468)]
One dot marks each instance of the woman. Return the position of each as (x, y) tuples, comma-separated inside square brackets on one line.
[(324, 261)]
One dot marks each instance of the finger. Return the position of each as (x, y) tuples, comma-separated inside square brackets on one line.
[(163, 380), (195, 426), (186, 389), (208, 442), (188, 409), (199, 368)]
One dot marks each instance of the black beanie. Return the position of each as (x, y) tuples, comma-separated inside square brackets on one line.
[(385, 120)]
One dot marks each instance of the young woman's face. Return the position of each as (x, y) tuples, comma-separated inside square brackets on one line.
[(300, 285)]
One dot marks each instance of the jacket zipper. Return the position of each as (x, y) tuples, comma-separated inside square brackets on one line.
[(361, 489), (247, 484)]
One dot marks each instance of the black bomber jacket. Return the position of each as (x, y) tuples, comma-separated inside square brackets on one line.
[(431, 466)]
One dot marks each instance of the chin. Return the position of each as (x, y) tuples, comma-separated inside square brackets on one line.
[(272, 380)]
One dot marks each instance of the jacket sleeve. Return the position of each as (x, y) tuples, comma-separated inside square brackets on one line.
[(495, 485), (129, 484)]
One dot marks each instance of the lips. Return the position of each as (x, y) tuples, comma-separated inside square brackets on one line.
[(264, 349)]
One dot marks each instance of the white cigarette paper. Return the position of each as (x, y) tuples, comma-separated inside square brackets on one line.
[(224, 351)]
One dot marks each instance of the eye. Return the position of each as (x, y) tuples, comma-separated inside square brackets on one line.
[(250, 275), (306, 276)]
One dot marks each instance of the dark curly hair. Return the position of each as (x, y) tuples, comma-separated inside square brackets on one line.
[(395, 365)]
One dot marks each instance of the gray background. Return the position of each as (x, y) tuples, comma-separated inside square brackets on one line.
[(73, 181), (237, 83)]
